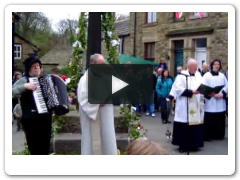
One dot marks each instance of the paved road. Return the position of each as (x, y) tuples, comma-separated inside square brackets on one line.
[(156, 132), (18, 139)]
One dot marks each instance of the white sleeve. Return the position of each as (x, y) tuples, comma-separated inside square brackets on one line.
[(205, 79), (225, 88), (178, 87), (90, 109)]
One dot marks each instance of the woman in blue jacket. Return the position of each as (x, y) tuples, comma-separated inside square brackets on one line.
[(163, 88)]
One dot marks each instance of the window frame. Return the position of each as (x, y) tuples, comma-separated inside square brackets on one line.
[(195, 16), (146, 51), (18, 45), (152, 20), (195, 41), (178, 20), (120, 45)]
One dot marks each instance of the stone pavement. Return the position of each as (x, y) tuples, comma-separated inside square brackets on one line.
[(18, 139), (156, 132)]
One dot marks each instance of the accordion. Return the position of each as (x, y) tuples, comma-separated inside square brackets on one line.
[(50, 95)]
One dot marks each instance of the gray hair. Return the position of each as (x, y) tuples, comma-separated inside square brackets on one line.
[(205, 64), (94, 58), (191, 61), (17, 73), (179, 67)]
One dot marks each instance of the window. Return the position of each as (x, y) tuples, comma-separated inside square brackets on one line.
[(195, 15), (178, 15), (201, 43), (149, 51), (200, 51), (17, 51), (120, 45), (178, 44), (151, 17)]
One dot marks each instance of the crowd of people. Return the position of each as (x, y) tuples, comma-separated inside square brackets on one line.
[(179, 96), (197, 118)]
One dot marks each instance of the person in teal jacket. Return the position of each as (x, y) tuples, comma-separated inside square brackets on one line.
[(163, 88)]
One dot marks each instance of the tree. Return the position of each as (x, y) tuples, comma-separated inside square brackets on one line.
[(66, 25), (36, 27), (30, 22), (62, 26)]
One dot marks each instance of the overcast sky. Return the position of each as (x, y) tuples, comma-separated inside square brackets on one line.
[(57, 16)]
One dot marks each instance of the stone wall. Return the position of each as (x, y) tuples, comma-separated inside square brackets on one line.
[(26, 49), (127, 46), (213, 26), (68, 138)]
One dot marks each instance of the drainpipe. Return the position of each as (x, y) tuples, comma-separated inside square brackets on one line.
[(122, 45), (134, 31), (13, 28)]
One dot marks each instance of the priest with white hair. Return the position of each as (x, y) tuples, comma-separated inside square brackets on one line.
[(97, 120), (188, 120)]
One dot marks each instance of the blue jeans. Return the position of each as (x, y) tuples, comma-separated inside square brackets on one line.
[(137, 107), (150, 107)]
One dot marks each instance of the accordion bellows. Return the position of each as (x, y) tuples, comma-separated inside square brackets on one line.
[(54, 91)]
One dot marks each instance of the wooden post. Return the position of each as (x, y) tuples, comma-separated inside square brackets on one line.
[(94, 35), (94, 46)]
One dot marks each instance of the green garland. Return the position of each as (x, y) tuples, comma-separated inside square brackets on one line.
[(130, 119), (57, 124), (132, 122), (25, 151), (75, 66), (110, 38)]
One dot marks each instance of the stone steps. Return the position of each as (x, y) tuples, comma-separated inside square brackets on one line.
[(71, 143), (67, 143), (72, 122), (68, 138)]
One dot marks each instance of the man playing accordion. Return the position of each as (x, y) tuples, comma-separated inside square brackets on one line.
[(37, 126)]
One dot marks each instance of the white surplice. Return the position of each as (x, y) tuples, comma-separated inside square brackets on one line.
[(97, 124), (195, 103), (215, 105)]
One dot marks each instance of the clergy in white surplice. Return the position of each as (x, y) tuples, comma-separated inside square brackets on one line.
[(97, 121), (215, 104), (189, 110)]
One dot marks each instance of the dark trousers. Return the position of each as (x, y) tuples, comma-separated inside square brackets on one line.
[(38, 130), (156, 101), (19, 125), (164, 109), (214, 125), (187, 137)]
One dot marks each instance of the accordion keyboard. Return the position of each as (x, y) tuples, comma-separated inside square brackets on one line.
[(38, 96)]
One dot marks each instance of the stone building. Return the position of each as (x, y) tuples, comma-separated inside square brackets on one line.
[(122, 31), (23, 48), (160, 35), (58, 57)]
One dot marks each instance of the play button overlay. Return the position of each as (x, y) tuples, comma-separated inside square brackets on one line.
[(117, 84), (120, 84)]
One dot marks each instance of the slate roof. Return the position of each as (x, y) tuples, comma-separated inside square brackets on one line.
[(122, 27)]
